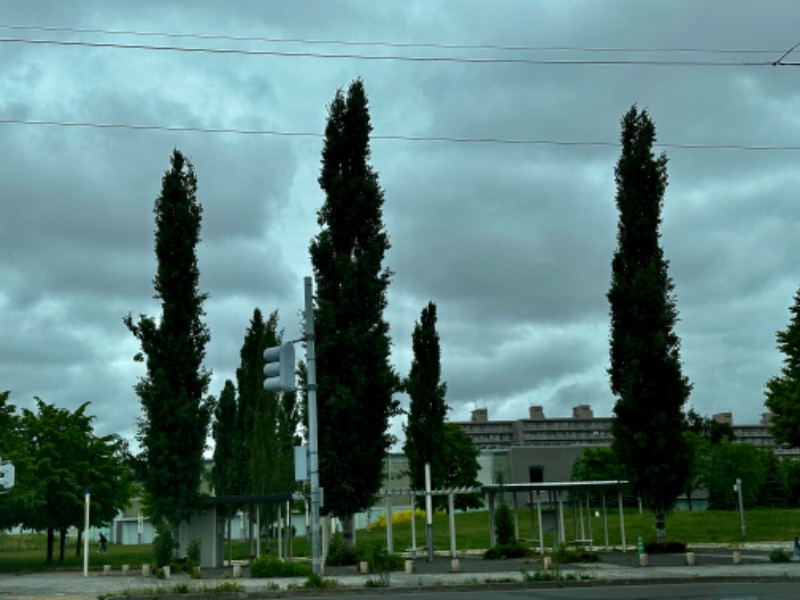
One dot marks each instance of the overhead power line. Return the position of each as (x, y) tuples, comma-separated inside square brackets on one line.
[(402, 58), (333, 42), (388, 137)]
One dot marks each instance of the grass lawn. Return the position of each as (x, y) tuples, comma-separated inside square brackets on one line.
[(26, 553)]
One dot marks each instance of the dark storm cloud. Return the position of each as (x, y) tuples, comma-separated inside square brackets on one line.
[(513, 242)]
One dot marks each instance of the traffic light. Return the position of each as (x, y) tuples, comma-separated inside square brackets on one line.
[(279, 368), (7, 475)]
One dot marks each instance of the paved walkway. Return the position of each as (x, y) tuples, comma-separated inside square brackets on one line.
[(712, 563)]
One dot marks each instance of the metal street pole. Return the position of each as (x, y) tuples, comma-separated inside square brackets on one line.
[(86, 534), (428, 512), (311, 374), (738, 488)]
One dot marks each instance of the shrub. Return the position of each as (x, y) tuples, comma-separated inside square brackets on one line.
[(564, 555), (314, 581), (193, 554), (378, 558), (338, 553), (163, 545), (504, 525), (507, 551), (665, 547), (779, 555), (269, 566)]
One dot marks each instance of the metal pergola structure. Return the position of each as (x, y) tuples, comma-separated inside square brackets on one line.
[(555, 492), (257, 500)]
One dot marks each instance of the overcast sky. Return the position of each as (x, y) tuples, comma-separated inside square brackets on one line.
[(512, 241)]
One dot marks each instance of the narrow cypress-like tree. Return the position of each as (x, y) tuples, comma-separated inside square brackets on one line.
[(783, 391), (224, 473), (249, 383), (173, 429), (425, 427), (355, 381), (645, 372)]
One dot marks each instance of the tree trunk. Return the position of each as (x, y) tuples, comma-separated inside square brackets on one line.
[(661, 528), (348, 530), (50, 538), (79, 543), (62, 543), (689, 501)]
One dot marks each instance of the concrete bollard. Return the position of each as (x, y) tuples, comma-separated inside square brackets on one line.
[(363, 567), (145, 570), (106, 569), (737, 557), (409, 566), (547, 562), (690, 559), (644, 560), (125, 569), (237, 571), (166, 571), (455, 566)]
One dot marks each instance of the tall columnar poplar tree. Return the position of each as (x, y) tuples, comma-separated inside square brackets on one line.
[(425, 427), (172, 431), (783, 391), (355, 381), (645, 373), (225, 472)]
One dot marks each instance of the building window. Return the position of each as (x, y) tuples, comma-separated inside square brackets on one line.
[(536, 473)]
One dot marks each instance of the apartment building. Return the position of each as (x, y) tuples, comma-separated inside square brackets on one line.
[(581, 429)]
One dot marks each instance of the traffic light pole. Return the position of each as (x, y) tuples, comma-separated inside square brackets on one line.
[(311, 395)]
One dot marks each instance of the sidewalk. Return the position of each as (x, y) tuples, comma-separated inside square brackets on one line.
[(712, 564)]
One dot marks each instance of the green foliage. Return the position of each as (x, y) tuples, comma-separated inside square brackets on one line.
[(266, 421), (783, 391), (729, 462), (225, 470), (504, 525), (62, 459), (194, 552), (564, 555), (163, 547), (460, 457), (339, 553), (664, 547), (779, 555), (270, 566), (378, 557), (316, 582), (506, 551), (355, 380), (425, 438), (173, 429), (645, 373)]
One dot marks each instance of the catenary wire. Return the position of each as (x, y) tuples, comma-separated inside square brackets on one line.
[(402, 58), (403, 138), (331, 42)]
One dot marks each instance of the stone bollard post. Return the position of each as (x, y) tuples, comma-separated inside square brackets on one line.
[(737, 557), (106, 569), (125, 569), (237, 571), (145, 570), (547, 562), (409, 566), (644, 560), (690, 559), (455, 566), (363, 567), (166, 571)]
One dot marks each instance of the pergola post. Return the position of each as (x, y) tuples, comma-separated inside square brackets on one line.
[(621, 518), (389, 532), (452, 511), (541, 533)]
